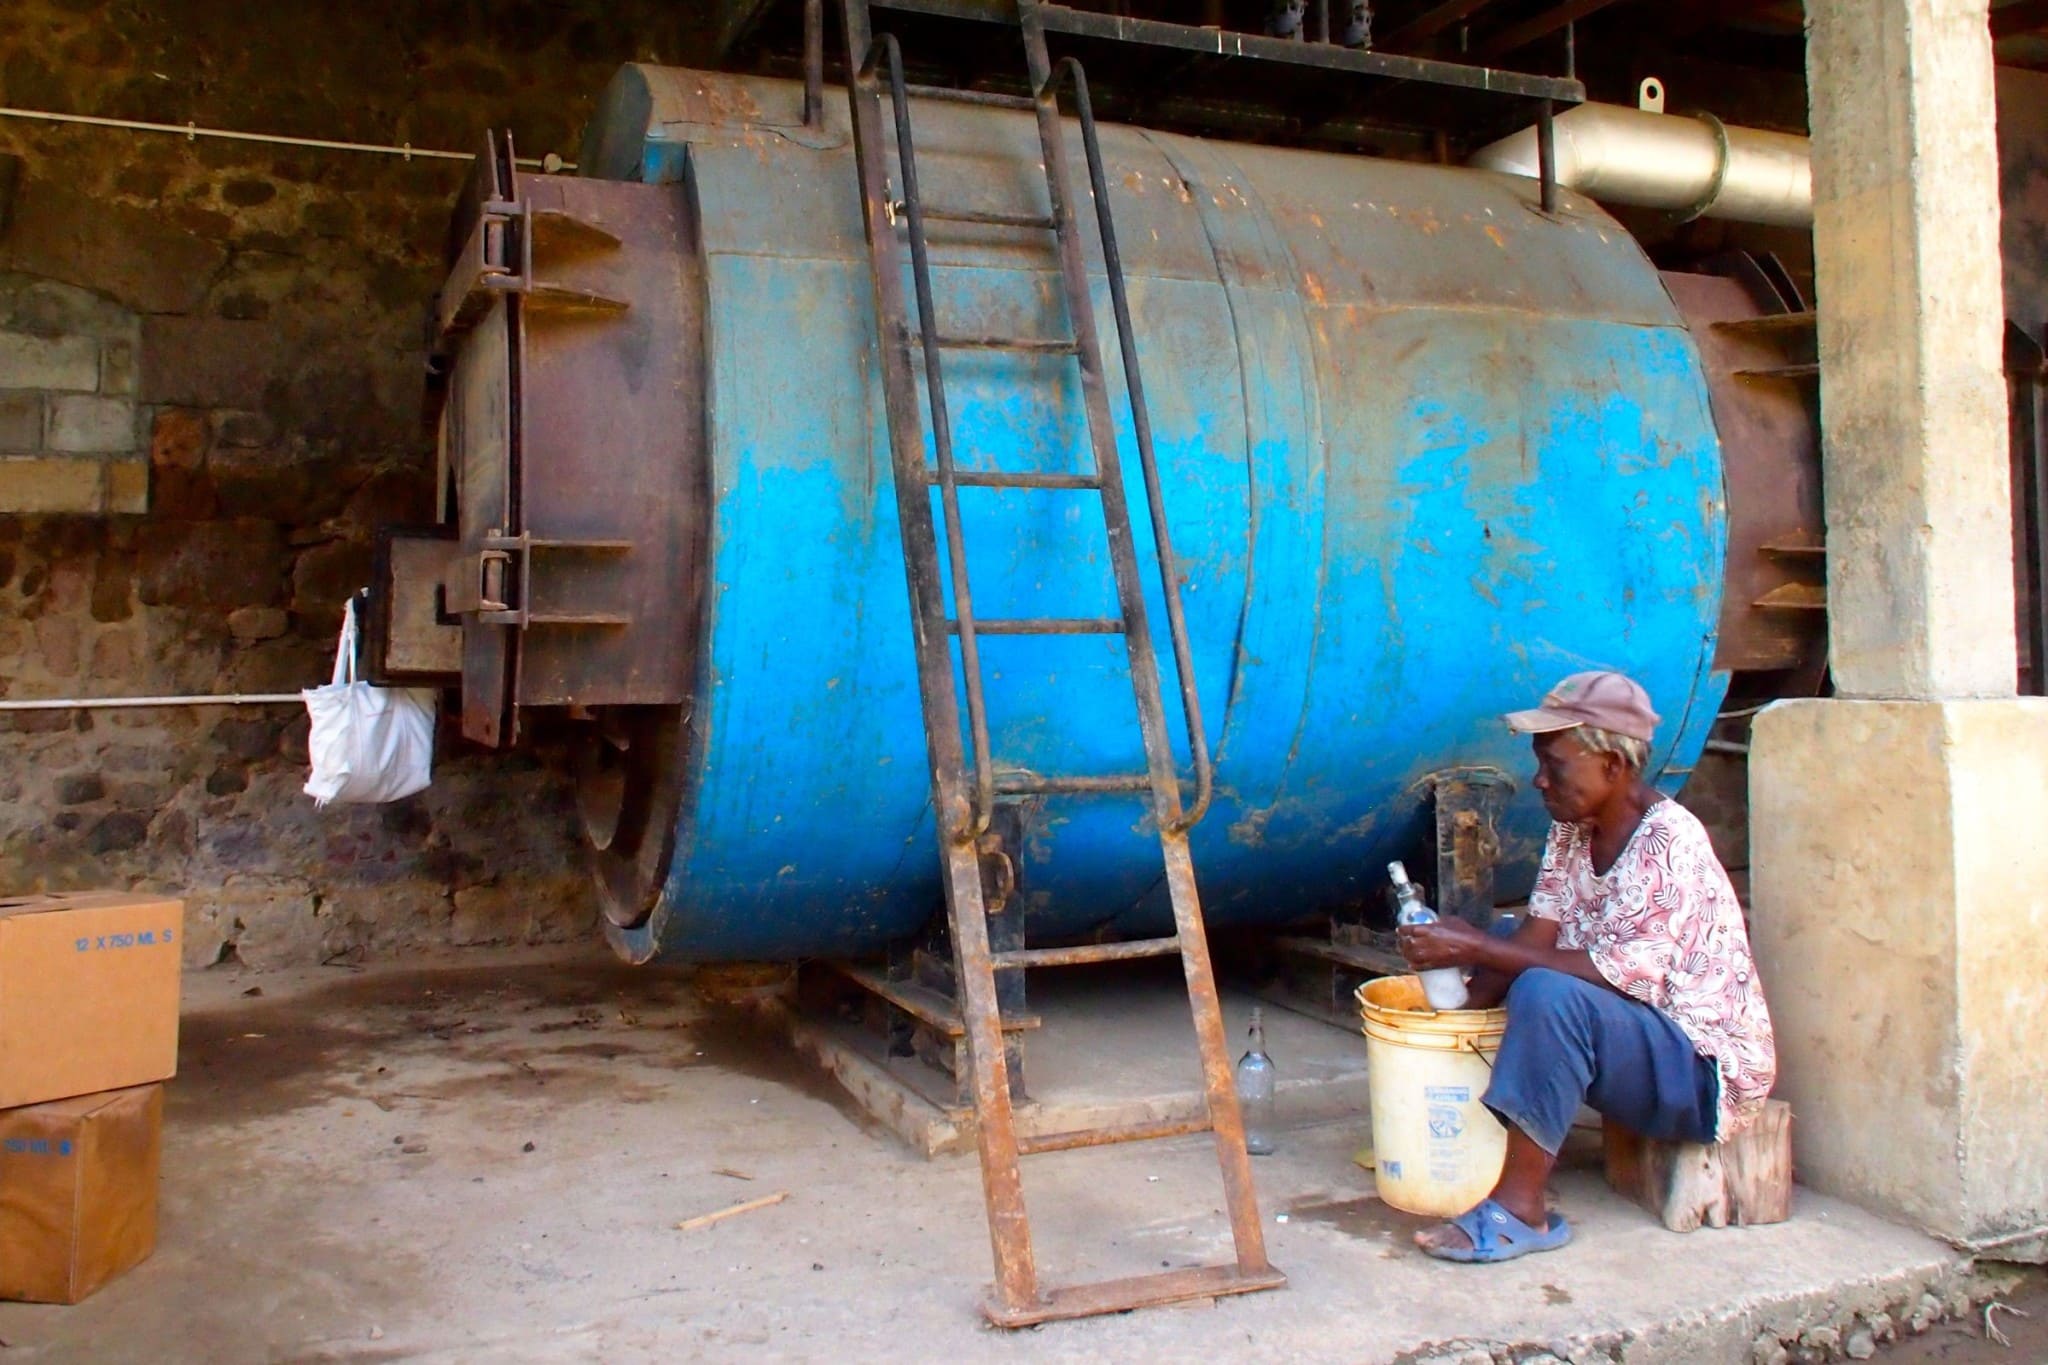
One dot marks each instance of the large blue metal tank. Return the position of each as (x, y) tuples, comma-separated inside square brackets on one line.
[(1424, 449)]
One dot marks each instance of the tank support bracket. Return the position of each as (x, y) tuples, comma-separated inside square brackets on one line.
[(1467, 804)]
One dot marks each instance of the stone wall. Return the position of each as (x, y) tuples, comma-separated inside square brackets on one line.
[(210, 380), (70, 431)]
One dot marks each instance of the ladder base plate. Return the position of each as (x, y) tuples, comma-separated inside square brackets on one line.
[(1143, 1291)]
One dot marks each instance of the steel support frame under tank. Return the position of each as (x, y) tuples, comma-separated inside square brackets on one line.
[(1316, 973)]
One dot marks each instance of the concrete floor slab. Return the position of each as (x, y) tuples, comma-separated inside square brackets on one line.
[(485, 1159), (1112, 1032), (1117, 1046)]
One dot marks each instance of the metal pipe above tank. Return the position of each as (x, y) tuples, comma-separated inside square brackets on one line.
[(1695, 166)]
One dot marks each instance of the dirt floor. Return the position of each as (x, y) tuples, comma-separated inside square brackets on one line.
[(486, 1159), (1964, 1341)]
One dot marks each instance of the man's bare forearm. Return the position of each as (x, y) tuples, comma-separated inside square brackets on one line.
[(1487, 988), (1495, 961), (1504, 959)]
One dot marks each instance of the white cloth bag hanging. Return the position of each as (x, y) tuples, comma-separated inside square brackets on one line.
[(368, 744)]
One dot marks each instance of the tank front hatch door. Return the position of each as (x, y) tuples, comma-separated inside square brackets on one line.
[(571, 440), (1757, 347)]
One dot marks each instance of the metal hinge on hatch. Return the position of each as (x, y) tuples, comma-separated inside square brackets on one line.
[(477, 584), (498, 260)]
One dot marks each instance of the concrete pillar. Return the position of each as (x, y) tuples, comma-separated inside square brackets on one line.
[(1906, 266), (1899, 879), (1899, 835)]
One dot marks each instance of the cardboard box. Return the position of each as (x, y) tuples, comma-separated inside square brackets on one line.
[(88, 993), (78, 1192)]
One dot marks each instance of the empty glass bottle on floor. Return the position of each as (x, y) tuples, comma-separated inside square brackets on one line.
[(1255, 1091)]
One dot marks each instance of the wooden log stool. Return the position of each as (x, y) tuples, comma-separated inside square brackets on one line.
[(1745, 1180)]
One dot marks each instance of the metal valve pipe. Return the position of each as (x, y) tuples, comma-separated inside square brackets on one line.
[(1696, 167)]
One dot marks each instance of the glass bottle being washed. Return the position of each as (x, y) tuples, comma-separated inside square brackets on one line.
[(1255, 1091), (1445, 986)]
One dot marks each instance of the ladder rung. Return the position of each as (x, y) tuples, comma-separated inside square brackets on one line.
[(1082, 954), (1143, 1291), (1070, 786), (1044, 625), (1150, 1131), (1034, 345), (985, 478), (988, 217), (951, 95)]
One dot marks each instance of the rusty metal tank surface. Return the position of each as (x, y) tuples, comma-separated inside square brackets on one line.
[(1425, 449)]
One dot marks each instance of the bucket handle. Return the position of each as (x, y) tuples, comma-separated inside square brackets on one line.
[(1473, 1043)]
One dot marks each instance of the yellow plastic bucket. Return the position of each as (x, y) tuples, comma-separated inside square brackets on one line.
[(1436, 1149)]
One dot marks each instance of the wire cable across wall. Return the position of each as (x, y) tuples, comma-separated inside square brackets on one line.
[(551, 163)]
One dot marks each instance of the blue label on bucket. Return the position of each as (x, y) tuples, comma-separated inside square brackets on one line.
[(1447, 1094), (1446, 1122)]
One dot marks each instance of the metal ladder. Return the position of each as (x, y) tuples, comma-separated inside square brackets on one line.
[(965, 796)]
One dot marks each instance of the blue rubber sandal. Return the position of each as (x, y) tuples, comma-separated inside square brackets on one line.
[(1498, 1235)]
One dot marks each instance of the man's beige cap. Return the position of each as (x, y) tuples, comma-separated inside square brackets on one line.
[(1604, 700)]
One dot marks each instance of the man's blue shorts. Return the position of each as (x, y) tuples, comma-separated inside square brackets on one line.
[(1570, 1042)]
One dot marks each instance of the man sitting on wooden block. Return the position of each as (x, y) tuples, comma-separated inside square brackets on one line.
[(1629, 987)]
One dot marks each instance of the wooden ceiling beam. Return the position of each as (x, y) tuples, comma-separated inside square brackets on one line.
[(738, 21), (1431, 22), (1518, 36), (2008, 21)]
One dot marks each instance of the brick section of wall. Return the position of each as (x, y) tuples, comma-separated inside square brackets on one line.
[(70, 424)]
